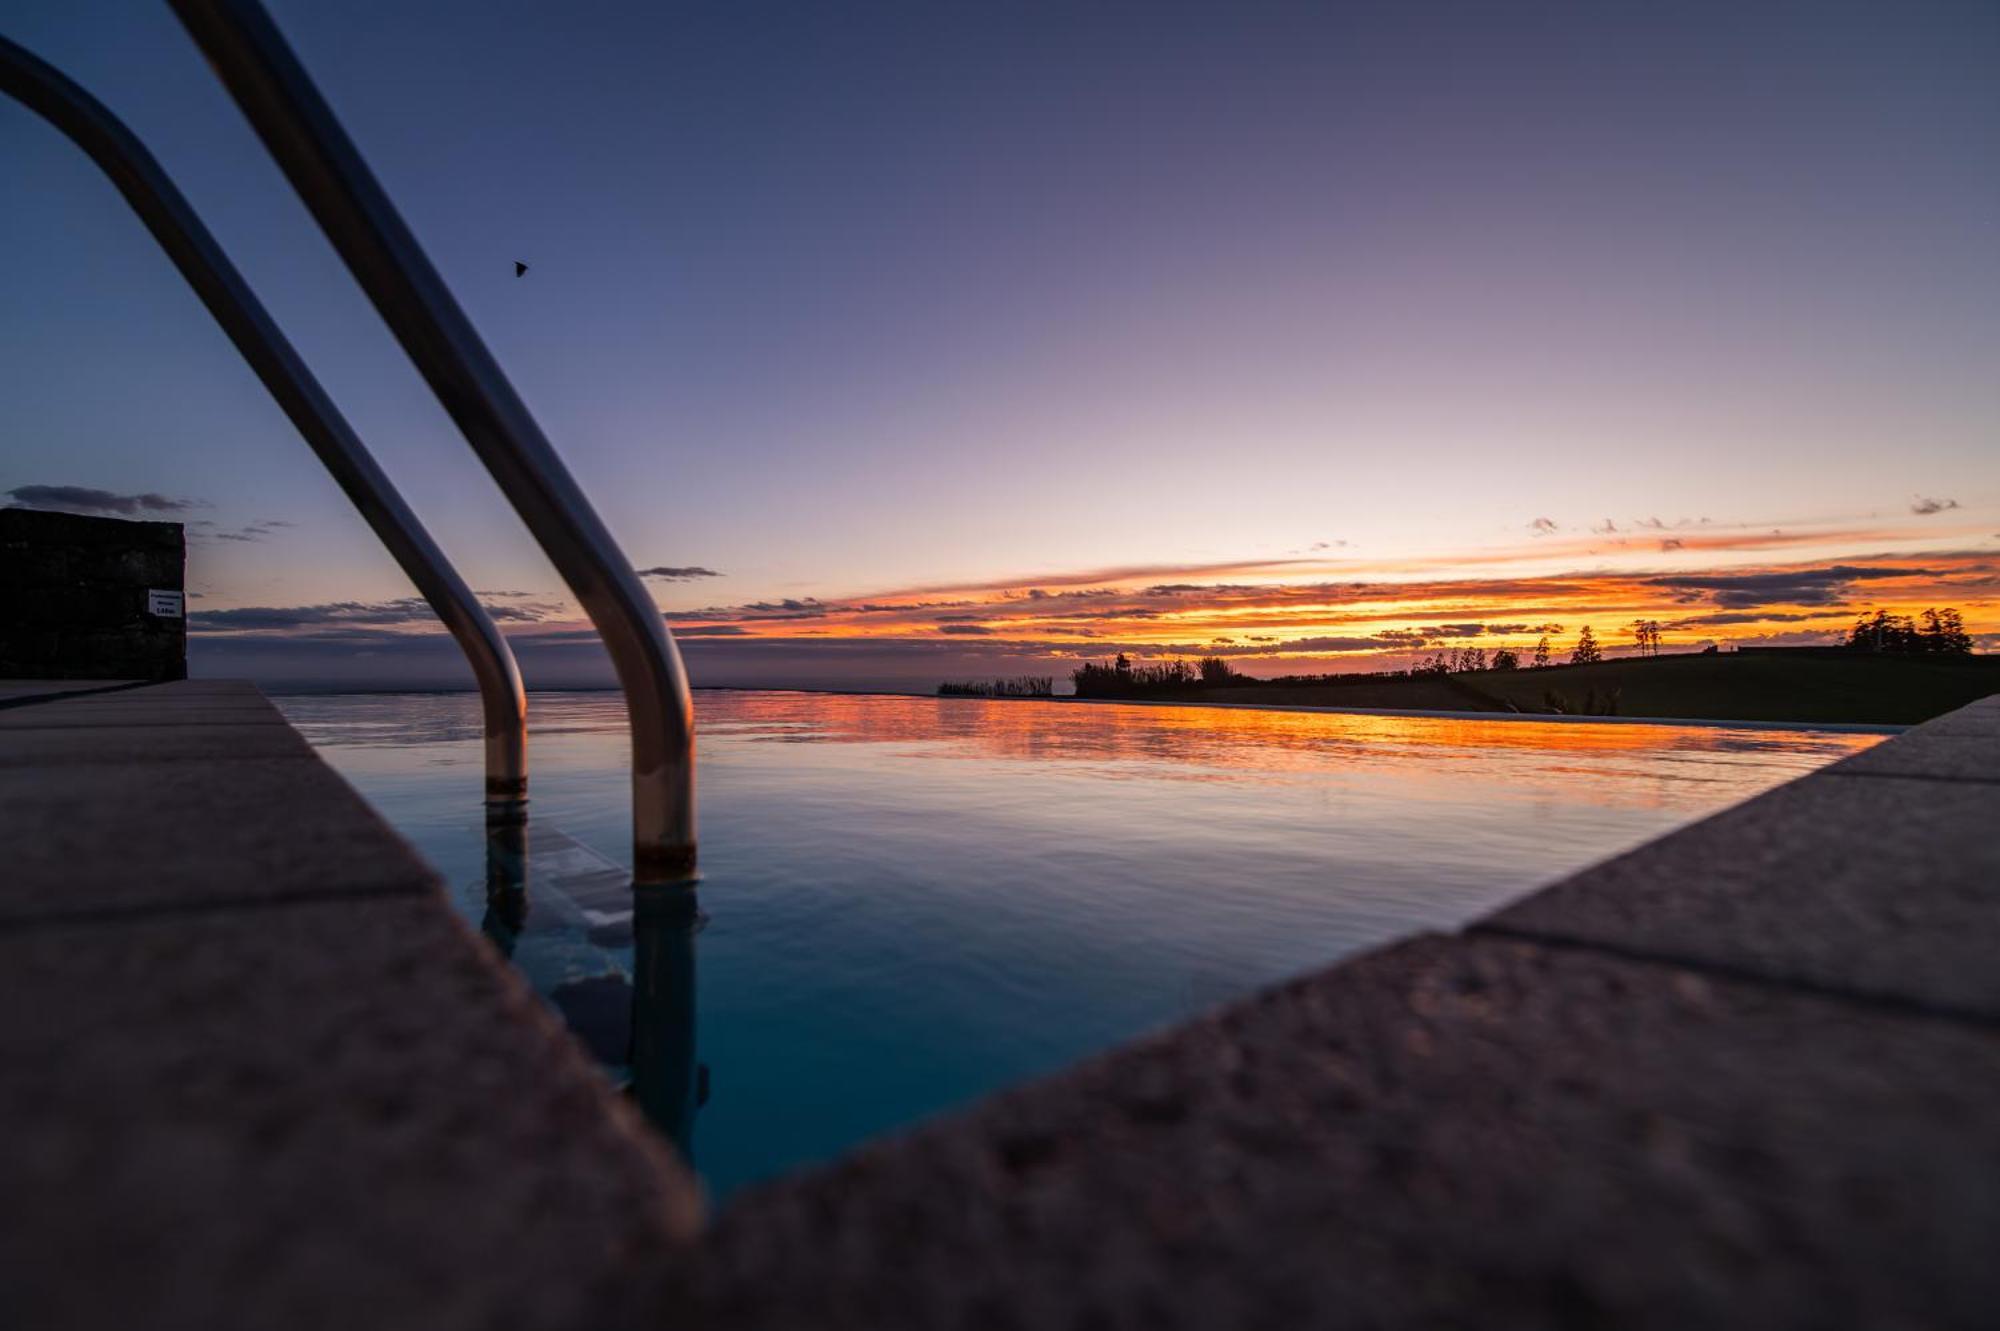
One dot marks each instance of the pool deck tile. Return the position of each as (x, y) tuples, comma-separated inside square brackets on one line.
[(39, 746), (202, 832), (1980, 720), (1926, 752), (81, 713), (1858, 878), (1455, 1131), (179, 704), (254, 1070), (24, 690), (337, 1114)]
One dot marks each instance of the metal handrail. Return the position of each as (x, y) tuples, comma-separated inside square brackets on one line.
[(51, 94), (309, 145)]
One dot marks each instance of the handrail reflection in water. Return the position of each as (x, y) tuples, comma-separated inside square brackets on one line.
[(637, 1013)]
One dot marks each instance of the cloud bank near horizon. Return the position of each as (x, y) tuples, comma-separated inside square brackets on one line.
[(1280, 616)]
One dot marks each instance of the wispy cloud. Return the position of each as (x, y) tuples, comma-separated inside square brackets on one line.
[(1923, 506), (672, 573), (406, 610), (375, 614), (1795, 586), (255, 531), (84, 499), (1729, 618)]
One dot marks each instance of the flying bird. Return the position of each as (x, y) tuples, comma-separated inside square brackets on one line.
[(520, 268)]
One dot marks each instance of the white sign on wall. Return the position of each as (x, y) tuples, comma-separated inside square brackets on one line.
[(166, 605)]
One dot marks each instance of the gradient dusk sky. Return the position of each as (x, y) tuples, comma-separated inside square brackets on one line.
[(943, 339)]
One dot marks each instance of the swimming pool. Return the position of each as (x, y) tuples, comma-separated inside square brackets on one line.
[(910, 902)]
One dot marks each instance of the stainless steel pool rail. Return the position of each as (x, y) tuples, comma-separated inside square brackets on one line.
[(138, 176), (325, 169)]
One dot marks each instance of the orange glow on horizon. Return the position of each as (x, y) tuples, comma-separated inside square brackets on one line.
[(1369, 615), (1335, 612)]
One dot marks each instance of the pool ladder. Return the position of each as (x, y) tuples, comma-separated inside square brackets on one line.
[(300, 131)]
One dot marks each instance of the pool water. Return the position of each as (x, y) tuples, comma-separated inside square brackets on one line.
[(910, 902)]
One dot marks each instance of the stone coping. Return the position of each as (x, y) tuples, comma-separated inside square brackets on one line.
[(1878, 876), (255, 1071)]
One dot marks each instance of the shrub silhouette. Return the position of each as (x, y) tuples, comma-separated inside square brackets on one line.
[(1021, 686), (1122, 679)]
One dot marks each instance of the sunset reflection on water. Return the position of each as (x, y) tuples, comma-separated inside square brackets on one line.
[(913, 901), (1176, 743)]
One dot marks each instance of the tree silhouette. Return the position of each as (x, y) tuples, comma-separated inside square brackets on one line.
[(1122, 679), (1542, 653), (1587, 652), (1505, 658), (1942, 633)]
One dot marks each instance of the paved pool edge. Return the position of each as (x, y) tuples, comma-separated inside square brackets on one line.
[(254, 1069)]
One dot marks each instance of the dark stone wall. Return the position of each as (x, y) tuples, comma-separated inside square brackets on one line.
[(73, 599)]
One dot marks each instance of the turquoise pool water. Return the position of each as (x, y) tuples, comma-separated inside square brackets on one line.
[(910, 902)]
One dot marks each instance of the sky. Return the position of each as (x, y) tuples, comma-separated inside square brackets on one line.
[(909, 342)]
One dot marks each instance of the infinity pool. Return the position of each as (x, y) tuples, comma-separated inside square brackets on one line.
[(910, 902)]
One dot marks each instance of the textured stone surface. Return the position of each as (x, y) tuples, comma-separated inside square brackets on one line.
[(205, 831), (255, 1073), (181, 703), (23, 691), (24, 745), (1875, 886), (221, 690), (332, 1115), (1980, 719), (46, 716), (1962, 746), (186, 793), (1453, 1132), (178, 703), (1959, 757)]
